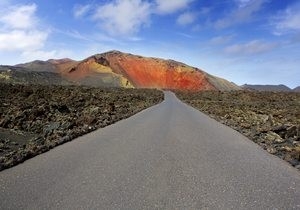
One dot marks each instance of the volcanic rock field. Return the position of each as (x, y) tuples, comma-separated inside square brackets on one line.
[(270, 119), (36, 118)]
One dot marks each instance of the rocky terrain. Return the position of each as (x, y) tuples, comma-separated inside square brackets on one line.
[(20, 75), (36, 118), (118, 69), (270, 119)]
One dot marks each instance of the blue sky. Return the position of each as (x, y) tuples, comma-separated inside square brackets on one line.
[(244, 41)]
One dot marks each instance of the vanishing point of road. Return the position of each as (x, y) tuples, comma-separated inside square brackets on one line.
[(169, 156)]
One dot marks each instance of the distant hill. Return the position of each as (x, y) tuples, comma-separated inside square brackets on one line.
[(47, 66), (37, 65), (118, 69), (20, 75), (274, 88), (296, 89)]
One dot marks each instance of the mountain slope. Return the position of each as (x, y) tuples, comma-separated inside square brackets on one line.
[(20, 75), (40, 66), (145, 72), (275, 88), (117, 69), (296, 89), (92, 72), (51, 65)]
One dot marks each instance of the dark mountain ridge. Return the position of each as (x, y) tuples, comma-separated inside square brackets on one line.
[(273, 88)]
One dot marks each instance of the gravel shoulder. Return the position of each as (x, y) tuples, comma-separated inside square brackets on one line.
[(270, 119), (36, 118)]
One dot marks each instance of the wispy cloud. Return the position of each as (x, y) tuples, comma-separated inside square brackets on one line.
[(81, 10), (243, 3), (100, 37), (242, 13), (219, 40), (186, 18), (288, 20), (74, 34), (185, 35), (249, 48), (123, 17), (171, 6)]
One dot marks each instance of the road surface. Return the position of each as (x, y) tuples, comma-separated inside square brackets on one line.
[(169, 156)]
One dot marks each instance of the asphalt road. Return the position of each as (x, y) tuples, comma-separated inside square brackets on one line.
[(169, 156)]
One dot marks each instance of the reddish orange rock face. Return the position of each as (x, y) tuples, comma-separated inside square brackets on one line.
[(158, 73)]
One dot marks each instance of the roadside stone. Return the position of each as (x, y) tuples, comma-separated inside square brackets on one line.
[(271, 150), (271, 136)]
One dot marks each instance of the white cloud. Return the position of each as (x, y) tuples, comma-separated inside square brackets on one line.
[(171, 6), (288, 20), (123, 17), (22, 17), (75, 35), (243, 13), (100, 37), (252, 47), (128, 17), (185, 35), (81, 10), (20, 31), (18, 40), (186, 18), (219, 40)]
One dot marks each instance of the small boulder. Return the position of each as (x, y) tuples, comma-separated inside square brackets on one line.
[(271, 150), (271, 136)]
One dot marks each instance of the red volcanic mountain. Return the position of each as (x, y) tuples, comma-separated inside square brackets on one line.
[(119, 69), (154, 73)]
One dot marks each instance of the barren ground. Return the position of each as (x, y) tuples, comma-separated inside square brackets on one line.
[(270, 119), (36, 118)]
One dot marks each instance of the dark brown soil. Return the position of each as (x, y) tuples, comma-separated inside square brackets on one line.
[(36, 118), (270, 119)]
